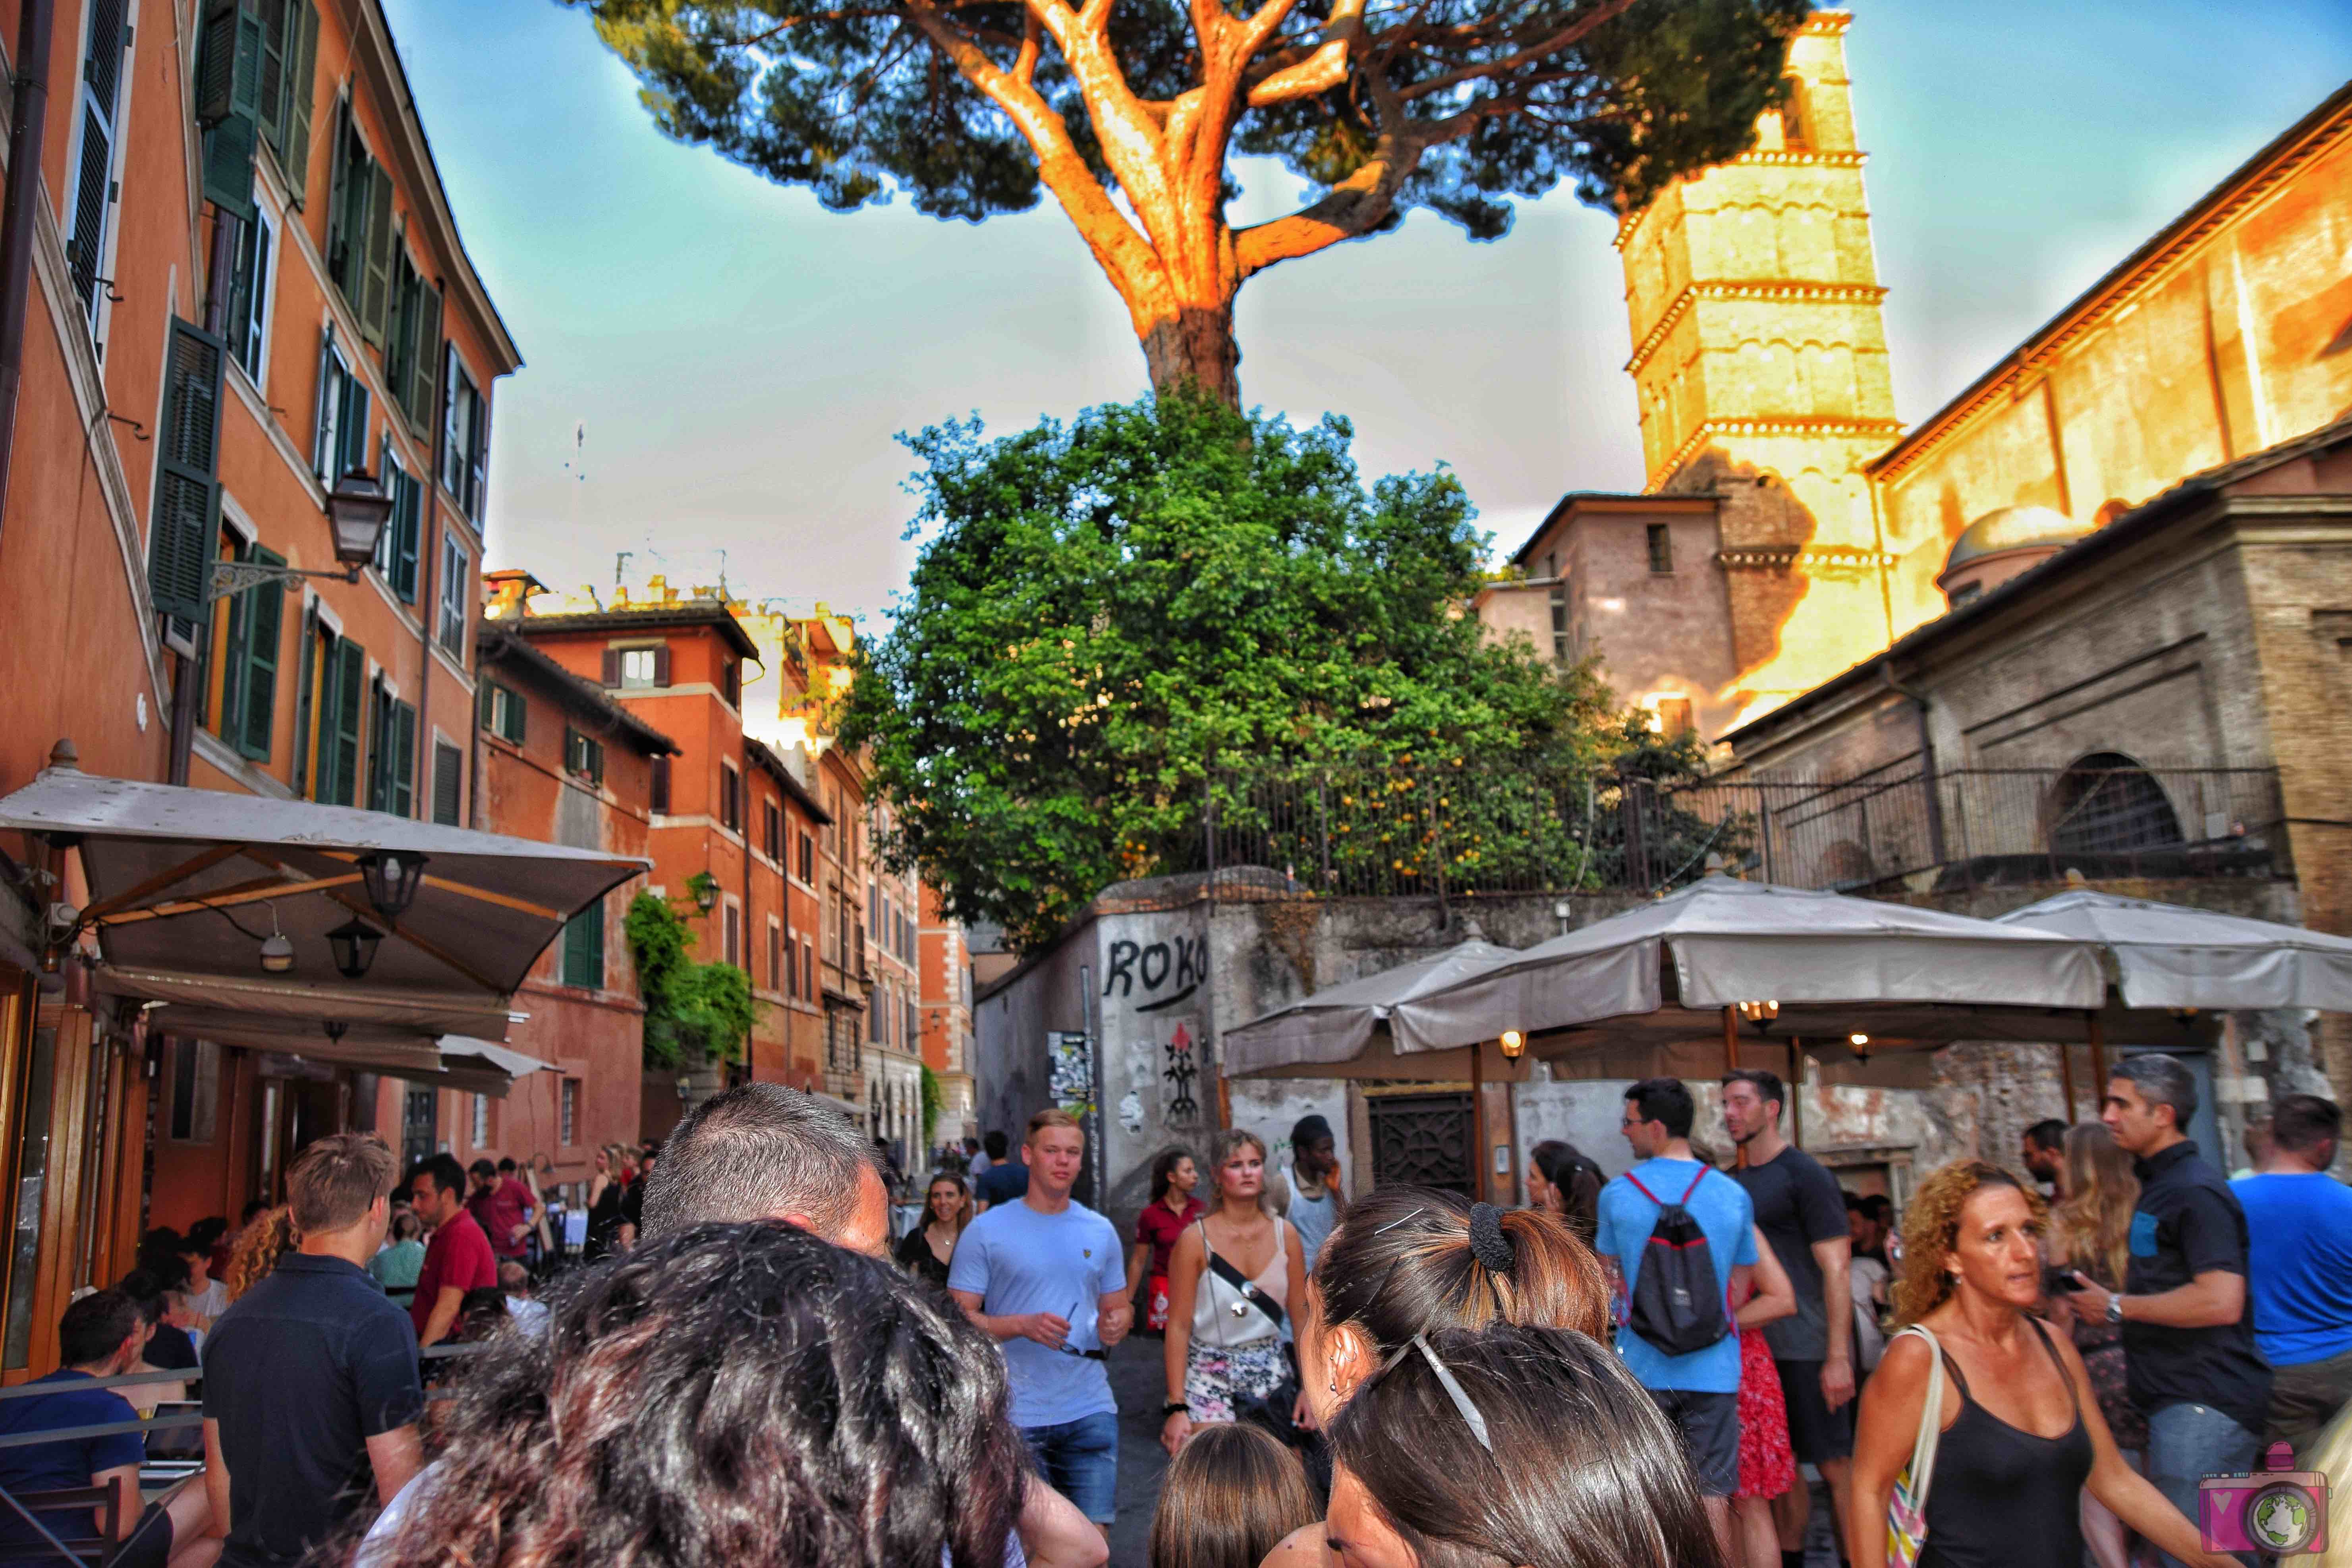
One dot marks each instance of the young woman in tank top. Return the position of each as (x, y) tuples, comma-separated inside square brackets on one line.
[(1223, 1350), (2023, 1435)]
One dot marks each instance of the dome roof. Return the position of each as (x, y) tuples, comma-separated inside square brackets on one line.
[(2014, 528)]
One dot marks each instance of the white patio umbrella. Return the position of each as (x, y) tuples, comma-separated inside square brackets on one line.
[(1335, 1033)]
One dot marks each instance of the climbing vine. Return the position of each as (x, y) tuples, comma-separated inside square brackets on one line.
[(694, 1012)]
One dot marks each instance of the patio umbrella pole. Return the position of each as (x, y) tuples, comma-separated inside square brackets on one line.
[(1478, 1122), (2066, 1074), (2098, 1027), (1732, 1063), (1796, 1093)]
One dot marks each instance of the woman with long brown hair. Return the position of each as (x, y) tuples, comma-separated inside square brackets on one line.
[(1229, 1500), (2091, 1230), (2022, 1435), (1232, 1283), (924, 1251)]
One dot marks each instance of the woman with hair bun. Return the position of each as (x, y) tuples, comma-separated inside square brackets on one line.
[(1232, 1283), (1554, 1458)]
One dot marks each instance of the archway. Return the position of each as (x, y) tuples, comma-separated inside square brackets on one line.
[(2106, 804)]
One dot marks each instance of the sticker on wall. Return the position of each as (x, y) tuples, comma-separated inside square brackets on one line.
[(1131, 1112), (1182, 1069), (1072, 1082)]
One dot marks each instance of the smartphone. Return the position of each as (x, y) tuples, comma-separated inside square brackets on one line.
[(2057, 1279)]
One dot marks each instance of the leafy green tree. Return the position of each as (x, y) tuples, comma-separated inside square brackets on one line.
[(1128, 114), (1109, 618), (694, 1012)]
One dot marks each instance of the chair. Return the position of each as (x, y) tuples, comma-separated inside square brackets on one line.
[(95, 1550)]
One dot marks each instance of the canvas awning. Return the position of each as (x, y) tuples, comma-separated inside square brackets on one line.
[(187, 885), (1338, 1025), (2166, 955)]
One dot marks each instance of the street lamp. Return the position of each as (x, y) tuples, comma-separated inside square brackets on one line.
[(357, 508), (335, 1028), (706, 891), (391, 878), (353, 944), (277, 951)]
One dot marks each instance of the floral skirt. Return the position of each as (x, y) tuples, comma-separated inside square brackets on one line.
[(2106, 1365), (1218, 1381), (1767, 1466)]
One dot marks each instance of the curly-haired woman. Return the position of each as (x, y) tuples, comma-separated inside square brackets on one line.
[(2023, 1435)]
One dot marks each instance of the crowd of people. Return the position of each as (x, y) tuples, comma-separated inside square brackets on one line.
[(1630, 1371)]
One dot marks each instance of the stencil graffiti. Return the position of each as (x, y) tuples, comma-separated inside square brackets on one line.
[(1179, 1074), (1071, 1082)]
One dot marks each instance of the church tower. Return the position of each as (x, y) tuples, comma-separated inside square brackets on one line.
[(1760, 356)]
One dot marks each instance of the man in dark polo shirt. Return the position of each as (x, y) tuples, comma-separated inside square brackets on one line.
[(310, 1377), (2188, 1317), (458, 1258)]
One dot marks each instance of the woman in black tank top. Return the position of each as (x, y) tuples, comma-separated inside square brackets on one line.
[(2020, 1439)]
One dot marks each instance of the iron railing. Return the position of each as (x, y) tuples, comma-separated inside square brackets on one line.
[(1489, 829)]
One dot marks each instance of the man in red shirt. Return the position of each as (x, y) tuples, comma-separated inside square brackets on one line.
[(501, 1207), (458, 1258)]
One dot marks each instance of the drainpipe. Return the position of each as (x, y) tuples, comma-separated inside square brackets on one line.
[(1918, 700), (428, 551), (27, 117)]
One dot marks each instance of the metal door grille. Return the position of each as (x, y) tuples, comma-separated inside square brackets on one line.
[(1423, 1139)]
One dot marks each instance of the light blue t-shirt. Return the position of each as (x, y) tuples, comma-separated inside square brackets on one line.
[(1726, 1214), (1018, 1260), (2298, 1264)]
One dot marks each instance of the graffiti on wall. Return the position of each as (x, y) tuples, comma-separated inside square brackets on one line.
[(1071, 1083), (1182, 962), (1182, 1069)]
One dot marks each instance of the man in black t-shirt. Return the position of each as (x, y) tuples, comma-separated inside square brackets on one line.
[(310, 1377), (1802, 1214)]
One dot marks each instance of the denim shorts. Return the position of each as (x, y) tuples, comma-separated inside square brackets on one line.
[(1080, 1460)]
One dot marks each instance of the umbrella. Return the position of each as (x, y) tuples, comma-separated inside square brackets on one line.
[(1332, 1033)]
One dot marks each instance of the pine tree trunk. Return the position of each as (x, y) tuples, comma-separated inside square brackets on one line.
[(1192, 345)]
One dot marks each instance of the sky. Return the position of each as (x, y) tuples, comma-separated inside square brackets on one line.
[(741, 360)]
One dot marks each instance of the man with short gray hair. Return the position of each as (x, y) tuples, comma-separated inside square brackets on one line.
[(2186, 1316)]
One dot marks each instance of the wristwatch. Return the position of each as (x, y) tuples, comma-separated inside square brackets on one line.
[(2115, 1307), (1174, 1407)]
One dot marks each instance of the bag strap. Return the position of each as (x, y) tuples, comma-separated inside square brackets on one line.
[(1644, 1190), (1931, 1420), (1704, 1171), (1234, 1276)]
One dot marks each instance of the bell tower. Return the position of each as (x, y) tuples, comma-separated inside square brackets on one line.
[(1759, 358)]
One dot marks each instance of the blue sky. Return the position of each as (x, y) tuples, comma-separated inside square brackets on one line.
[(742, 360)]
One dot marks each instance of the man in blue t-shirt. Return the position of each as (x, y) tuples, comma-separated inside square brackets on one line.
[(102, 1335), (2299, 1265), (1698, 1392), (1049, 1278)]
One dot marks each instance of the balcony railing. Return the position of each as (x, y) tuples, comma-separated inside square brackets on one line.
[(1454, 832)]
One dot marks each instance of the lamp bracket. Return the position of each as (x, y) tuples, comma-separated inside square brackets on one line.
[(235, 576)]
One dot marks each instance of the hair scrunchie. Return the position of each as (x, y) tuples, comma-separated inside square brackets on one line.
[(1488, 1245)]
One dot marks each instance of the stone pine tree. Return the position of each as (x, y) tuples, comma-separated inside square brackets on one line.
[(1129, 112)]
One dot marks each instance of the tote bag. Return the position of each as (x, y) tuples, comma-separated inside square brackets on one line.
[(1907, 1511)]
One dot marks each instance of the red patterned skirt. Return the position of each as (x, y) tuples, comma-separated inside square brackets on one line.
[(1767, 1466)]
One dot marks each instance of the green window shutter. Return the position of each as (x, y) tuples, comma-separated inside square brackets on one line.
[(305, 648), (264, 613), (351, 677), (270, 97), (354, 429), (216, 62), (376, 291), (229, 86), (228, 166), (594, 916), (187, 491), (486, 705), (423, 355), (516, 717), (583, 947), (407, 525), (339, 198), (379, 747), (404, 766), (301, 89)]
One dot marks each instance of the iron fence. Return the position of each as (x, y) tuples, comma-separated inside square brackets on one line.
[(1489, 829)]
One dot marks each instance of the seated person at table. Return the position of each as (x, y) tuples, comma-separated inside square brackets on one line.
[(102, 1335)]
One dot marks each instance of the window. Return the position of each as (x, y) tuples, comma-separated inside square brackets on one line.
[(339, 440), (465, 438), (776, 981), (457, 590), (249, 660), (361, 236), (481, 1121), (289, 62), (184, 529), (808, 969), (341, 688), (505, 712), (789, 956), (808, 859), (1795, 133), (730, 798), (1672, 715), (196, 1091), (734, 923), (449, 778), (412, 351), (1561, 636), (771, 829), (642, 667), (396, 547), (249, 294), (1662, 547), (730, 682), (105, 54), (2107, 803), (584, 948), (567, 1113), (392, 755), (658, 796), (583, 757)]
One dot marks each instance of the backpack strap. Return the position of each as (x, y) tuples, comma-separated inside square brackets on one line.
[(1704, 1171), (1645, 1192)]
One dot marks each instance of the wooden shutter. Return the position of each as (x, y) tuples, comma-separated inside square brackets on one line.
[(339, 197), (404, 758), (375, 301), (215, 60), (517, 716), (448, 777), (478, 455), (264, 612), (271, 94), (351, 689), (612, 666), (229, 103), (306, 681), (661, 665), (407, 524), (658, 793), (325, 402), (423, 358), (352, 427), (187, 491), (301, 29)]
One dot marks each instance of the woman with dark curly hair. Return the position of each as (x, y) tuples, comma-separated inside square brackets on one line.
[(2022, 1435), (743, 1394)]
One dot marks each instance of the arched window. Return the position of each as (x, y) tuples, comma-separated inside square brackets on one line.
[(1796, 129), (2107, 803)]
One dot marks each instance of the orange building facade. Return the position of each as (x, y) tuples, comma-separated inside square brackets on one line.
[(947, 1018)]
